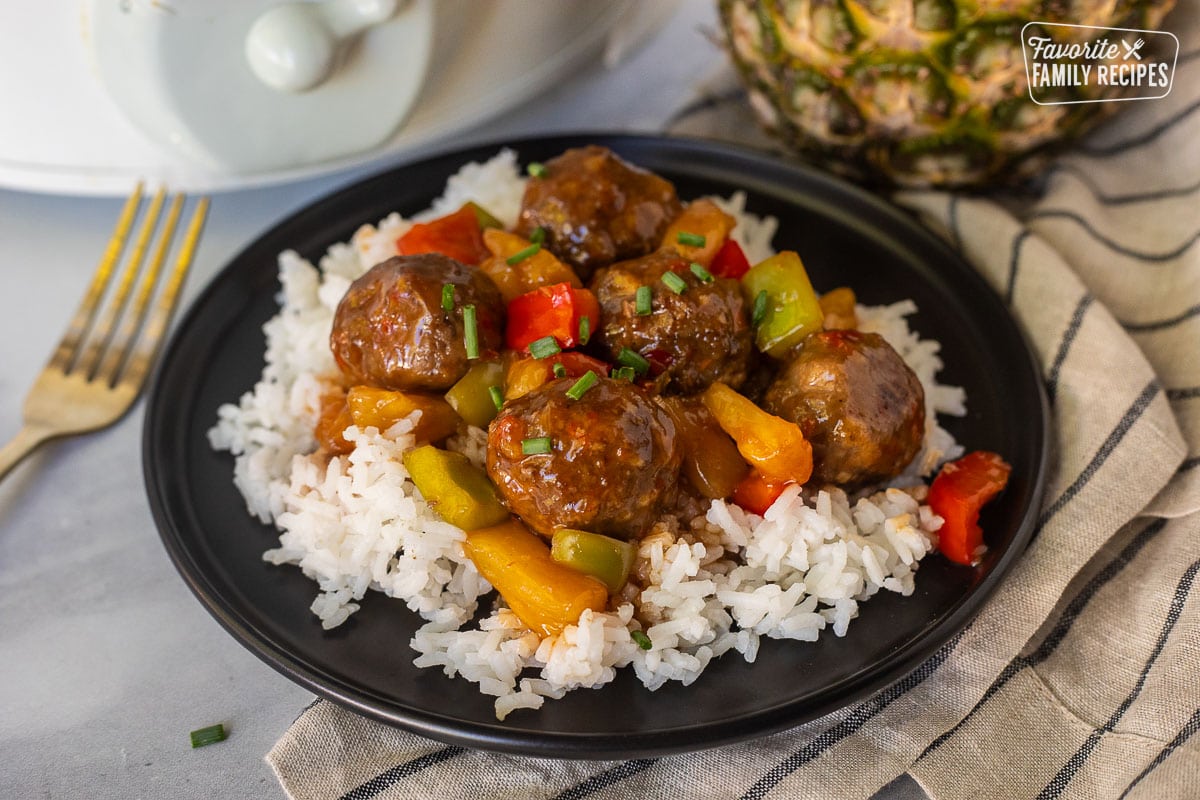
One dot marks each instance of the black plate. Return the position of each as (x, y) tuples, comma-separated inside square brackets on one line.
[(846, 237)]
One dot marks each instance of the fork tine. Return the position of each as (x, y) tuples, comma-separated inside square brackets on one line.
[(160, 316), (65, 352), (121, 343), (96, 342)]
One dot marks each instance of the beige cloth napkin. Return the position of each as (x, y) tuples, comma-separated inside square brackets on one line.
[(1078, 679)]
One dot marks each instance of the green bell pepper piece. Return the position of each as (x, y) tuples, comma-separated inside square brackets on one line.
[(471, 397), (793, 309), (458, 490), (592, 554)]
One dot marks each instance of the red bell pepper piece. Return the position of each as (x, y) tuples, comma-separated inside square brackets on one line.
[(756, 493), (958, 492), (552, 311), (730, 261), (458, 235)]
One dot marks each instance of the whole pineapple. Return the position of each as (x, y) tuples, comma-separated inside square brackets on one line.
[(912, 92)]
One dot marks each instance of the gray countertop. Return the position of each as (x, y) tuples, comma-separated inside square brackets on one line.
[(106, 659)]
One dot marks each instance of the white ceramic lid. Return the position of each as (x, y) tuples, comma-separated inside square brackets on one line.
[(340, 75)]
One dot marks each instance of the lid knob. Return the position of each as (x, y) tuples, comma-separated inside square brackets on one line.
[(293, 47)]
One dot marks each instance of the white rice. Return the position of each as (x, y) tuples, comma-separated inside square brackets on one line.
[(720, 583)]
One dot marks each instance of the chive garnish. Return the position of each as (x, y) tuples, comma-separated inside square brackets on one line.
[(538, 236), (675, 283), (585, 329), (538, 446), (559, 370), (690, 239), (760, 308), (210, 735), (497, 396), (536, 169), (521, 255), (448, 297), (634, 360), (544, 347), (641, 639), (700, 272), (624, 374), (470, 332), (643, 300), (580, 387)]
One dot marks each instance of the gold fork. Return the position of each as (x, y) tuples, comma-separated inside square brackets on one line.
[(100, 365)]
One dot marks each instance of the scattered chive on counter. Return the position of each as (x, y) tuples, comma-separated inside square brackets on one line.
[(580, 387), (448, 297), (700, 272), (521, 255), (642, 640), (470, 332), (760, 308), (497, 396), (675, 283), (634, 360), (536, 169), (644, 301), (210, 735), (690, 239), (537, 446), (544, 347)]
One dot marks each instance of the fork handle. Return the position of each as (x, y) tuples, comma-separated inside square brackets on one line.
[(25, 442)]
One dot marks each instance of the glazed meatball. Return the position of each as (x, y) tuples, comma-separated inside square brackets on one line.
[(596, 208), (613, 465), (391, 331), (856, 400), (691, 338)]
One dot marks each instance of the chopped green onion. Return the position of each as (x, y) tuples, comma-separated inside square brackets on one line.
[(544, 347), (700, 272), (690, 239), (559, 370), (471, 332), (585, 329), (580, 387), (448, 297), (643, 300), (538, 236), (210, 735), (538, 446), (760, 308), (634, 360), (624, 374), (536, 169), (497, 396), (521, 255), (675, 283), (642, 640)]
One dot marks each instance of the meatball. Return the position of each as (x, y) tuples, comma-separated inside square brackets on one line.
[(596, 208), (692, 338), (858, 403), (390, 329), (612, 466)]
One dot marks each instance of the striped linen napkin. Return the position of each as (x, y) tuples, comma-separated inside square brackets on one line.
[(1077, 680)]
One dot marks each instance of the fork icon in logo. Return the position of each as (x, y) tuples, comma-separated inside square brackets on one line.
[(1131, 51)]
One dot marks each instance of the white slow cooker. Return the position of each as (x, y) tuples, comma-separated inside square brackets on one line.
[(208, 95)]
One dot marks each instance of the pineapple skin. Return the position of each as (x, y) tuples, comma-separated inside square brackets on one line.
[(914, 93)]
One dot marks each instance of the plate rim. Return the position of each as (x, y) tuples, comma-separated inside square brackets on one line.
[(494, 736)]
